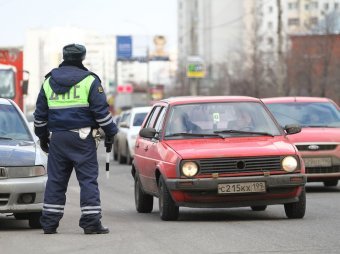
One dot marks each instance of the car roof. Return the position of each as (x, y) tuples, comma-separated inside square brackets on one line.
[(294, 99), (203, 99), (140, 109)]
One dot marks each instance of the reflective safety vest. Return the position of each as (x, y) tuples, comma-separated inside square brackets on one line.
[(76, 97)]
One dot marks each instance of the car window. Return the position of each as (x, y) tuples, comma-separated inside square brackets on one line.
[(139, 118), (12, 125), (306, 114), (153, 117), (128, 118), (208, 118), (124, 117), (117, 119), (160, 119), (7, 87)]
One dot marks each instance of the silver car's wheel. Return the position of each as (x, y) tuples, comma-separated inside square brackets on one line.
[(331, 183), (115, 149), (34, 220), (128, 155), (121, 159)]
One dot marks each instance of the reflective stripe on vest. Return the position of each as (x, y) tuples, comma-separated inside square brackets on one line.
[(76, 97)]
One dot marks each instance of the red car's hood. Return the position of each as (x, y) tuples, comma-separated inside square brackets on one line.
[(316, 135), (231, 147)]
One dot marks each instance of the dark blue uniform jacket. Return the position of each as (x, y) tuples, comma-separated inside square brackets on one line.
[(96, 115)]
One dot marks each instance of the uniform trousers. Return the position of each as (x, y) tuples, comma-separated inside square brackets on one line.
[(67, 151)]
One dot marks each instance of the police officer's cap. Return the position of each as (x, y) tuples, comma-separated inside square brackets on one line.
[(74, 52)]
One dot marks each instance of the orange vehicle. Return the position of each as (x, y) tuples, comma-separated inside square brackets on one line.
[(12, 83)]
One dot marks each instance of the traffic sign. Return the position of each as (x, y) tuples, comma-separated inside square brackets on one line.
[(195, 67), (126, 88)]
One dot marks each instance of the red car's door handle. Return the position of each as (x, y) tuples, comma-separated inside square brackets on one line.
[(146, 148)]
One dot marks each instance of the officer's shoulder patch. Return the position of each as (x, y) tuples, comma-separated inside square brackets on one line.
[(100, 89)]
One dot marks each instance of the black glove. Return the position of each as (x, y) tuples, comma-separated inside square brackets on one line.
[(108, 143), (44, 144)]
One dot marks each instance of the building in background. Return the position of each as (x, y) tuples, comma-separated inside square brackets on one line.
[(246, 38), (212, 30), (314, 65), (149, 68), (299, 17), (311, 16), (43, 52), (151, 62)]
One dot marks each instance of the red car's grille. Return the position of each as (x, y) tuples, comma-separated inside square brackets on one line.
[(316, 147), (240, 165), (321, 170)]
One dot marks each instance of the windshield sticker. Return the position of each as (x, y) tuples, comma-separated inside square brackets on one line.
[(216, 117)]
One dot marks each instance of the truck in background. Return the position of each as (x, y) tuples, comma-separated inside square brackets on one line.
[(12, 83)]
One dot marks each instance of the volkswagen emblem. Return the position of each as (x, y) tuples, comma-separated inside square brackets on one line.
[(313, 147), (240, 165)]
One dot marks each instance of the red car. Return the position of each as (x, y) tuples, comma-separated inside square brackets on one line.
[(319, 140), (216, 152)]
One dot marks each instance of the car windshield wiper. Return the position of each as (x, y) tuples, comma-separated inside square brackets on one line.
[(245, 132), (319, 126), (7, 138), (193, 134)]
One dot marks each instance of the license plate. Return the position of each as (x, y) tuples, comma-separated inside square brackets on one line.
[(226, 188), (318, 162)]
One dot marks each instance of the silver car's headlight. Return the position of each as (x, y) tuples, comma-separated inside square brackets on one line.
[(289, 164), (17, 172), (189, 168)]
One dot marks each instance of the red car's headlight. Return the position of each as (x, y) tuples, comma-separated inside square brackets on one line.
[(289, 164), (189, 168)]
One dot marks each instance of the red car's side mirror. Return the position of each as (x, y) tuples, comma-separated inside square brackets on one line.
[(292, 129), (148, 132)]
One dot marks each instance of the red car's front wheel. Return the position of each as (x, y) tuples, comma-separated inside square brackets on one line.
[(143, 201), (168, 210), (297, 210)]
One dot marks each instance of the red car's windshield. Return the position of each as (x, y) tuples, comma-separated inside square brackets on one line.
[(308, 114), (233, 118)]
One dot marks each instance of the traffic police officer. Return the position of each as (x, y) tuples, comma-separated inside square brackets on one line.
[(71, 106)]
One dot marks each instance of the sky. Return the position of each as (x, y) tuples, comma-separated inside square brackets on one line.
[(118, 17)]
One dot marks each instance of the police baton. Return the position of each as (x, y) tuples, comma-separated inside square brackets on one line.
[(108, 144), (108, 153)]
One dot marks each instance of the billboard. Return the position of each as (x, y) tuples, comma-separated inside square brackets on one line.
[(159, 52), (124, 47)]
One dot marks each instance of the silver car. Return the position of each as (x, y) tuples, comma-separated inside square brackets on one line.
[(23, 166), (125, 140)]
